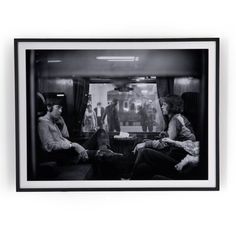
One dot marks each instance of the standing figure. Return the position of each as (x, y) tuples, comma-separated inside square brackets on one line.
[(99, 111), (147, 116), (112, 116), (150, 111), (143, 118), (90, 119)]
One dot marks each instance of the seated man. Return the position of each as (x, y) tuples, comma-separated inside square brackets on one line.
[(54, 136)]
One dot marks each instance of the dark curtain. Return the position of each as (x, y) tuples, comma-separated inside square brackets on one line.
[(192, 110), (165, 86), (81, 94)]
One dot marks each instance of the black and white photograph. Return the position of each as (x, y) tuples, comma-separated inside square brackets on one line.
[(117, 114)]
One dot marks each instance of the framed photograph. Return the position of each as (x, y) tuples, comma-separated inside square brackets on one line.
[(117, 114)]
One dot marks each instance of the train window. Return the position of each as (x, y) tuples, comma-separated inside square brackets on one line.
[(128, 108)]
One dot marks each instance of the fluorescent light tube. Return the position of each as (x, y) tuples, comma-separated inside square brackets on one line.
[(54, 61), (118, 58)]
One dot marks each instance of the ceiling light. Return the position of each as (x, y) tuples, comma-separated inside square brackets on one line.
[(118, 58), (54, 61)]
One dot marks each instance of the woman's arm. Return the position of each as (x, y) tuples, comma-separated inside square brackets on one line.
[(173, 142), (172, 129)]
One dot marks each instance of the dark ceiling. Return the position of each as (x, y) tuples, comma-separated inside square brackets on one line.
[(76, 63)]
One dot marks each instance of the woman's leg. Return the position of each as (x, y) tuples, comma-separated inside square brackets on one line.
[(150, 162), (142, 171)]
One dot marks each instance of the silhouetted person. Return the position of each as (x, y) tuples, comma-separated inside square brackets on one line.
[(143, 118), (150, 115), (147, 116), (99, 111), (112, 116)]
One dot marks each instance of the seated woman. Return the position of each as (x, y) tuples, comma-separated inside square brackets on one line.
[(161, 156)]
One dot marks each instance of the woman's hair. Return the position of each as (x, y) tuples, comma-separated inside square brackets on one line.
[(175, 103)]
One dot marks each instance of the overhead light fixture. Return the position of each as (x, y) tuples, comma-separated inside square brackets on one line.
[(54, 61), (118, 58)]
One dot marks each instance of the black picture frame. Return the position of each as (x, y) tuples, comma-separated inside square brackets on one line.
[(214, 73)]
